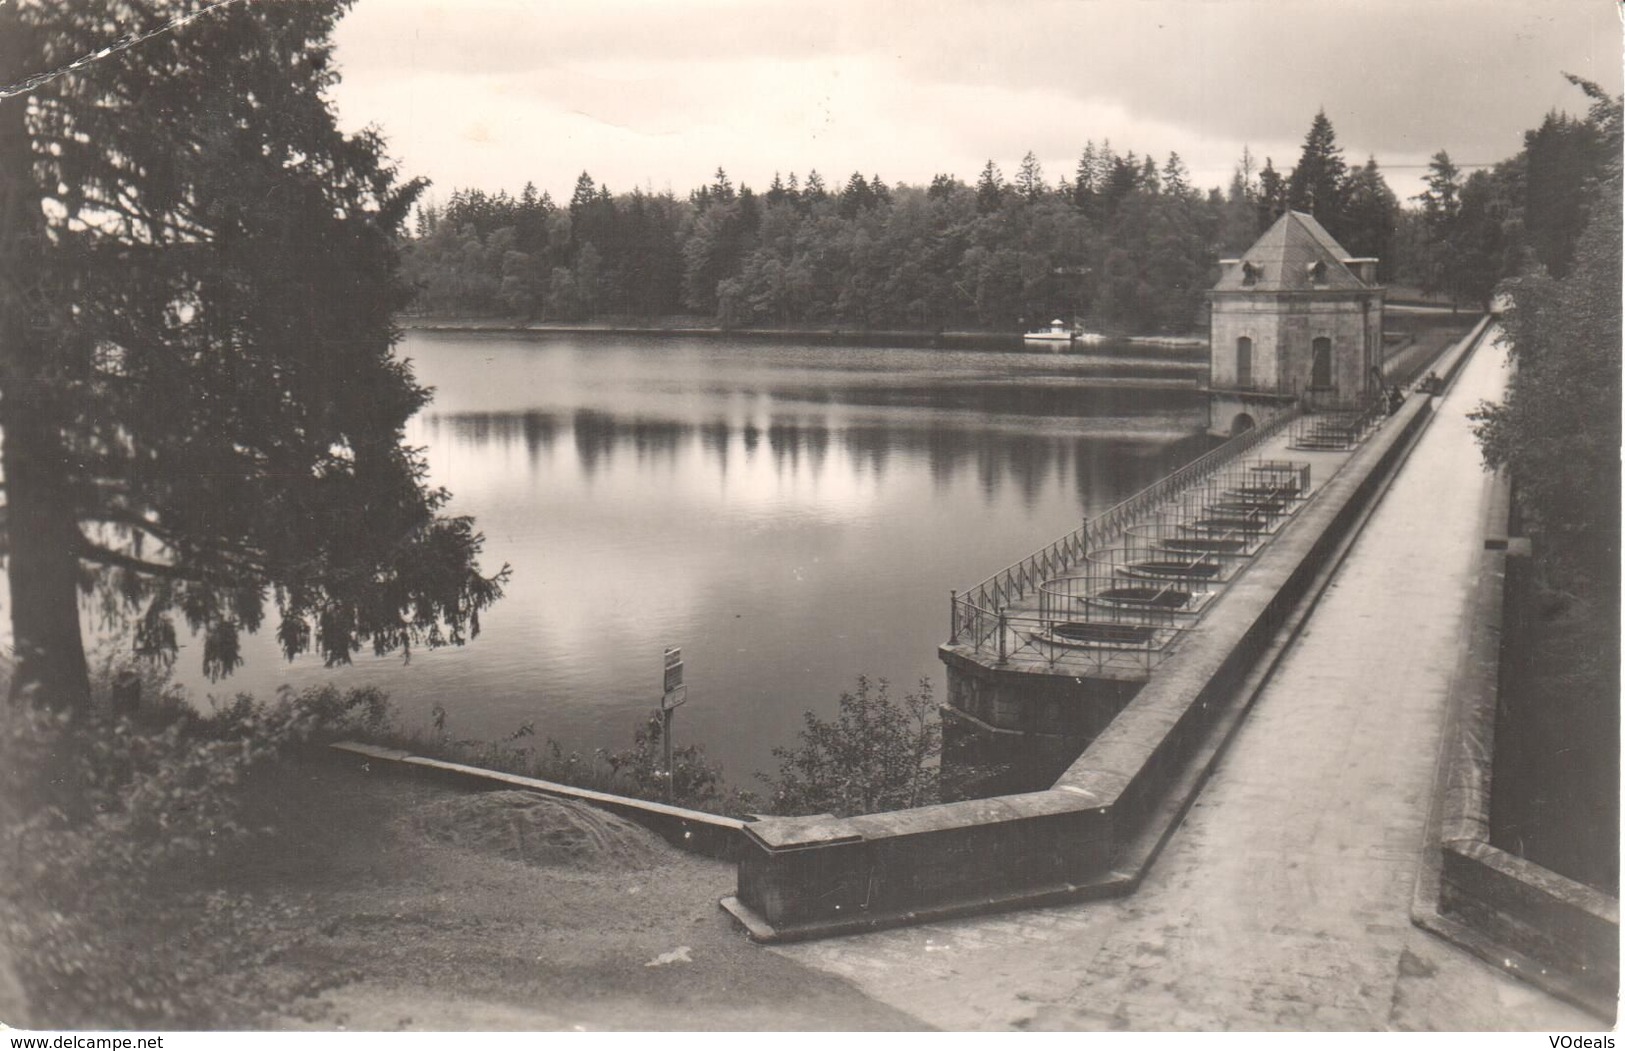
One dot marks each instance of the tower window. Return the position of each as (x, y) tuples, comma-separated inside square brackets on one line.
[(1320, 366)]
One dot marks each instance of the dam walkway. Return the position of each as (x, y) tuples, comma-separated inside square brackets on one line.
[(1282, 902)]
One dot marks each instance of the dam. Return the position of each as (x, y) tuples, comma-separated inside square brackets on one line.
[(1151, 712)]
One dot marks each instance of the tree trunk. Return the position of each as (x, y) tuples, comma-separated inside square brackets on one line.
[(43, 563), (41, 525)]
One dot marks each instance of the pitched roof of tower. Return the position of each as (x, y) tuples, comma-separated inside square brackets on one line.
[(1284, 256)]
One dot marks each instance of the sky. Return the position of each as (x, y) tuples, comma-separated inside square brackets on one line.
[(659, 93)]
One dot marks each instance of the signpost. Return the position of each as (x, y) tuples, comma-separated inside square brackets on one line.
[(675, 693)]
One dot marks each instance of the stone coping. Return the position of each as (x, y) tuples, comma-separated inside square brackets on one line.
[(694, 830)]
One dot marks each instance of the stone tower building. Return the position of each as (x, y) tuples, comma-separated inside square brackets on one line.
[(1296, 318)]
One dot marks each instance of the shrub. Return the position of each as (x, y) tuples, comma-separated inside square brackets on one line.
[(879, 753), (105, 822), (695, 782)]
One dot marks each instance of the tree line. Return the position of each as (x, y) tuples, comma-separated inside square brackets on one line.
[(1522, 215), (1558, 430), (1124, 241)]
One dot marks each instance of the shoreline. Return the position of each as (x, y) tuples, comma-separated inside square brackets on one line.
[(958, 339)]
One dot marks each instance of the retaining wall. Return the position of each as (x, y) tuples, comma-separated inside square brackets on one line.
[(694, 830), (1553, 931)]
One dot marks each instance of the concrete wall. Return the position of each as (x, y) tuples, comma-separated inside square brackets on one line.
[(1555, 932), (1010, 729), (979, 760), (805, 877), (1034, 702)]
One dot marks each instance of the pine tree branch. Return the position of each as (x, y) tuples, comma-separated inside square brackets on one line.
[(131, 519), (92, 552)]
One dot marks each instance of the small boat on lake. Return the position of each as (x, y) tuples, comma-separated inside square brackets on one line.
[(1060, 334)]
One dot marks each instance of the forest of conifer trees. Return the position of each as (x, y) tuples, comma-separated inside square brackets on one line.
[(1123, 243)]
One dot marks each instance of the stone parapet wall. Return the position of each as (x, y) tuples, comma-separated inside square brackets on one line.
[(1551, 930), (808, 877)]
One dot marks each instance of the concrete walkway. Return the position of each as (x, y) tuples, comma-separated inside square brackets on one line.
[(1283, 901)]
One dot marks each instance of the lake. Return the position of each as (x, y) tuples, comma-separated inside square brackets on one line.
[(790, 515)]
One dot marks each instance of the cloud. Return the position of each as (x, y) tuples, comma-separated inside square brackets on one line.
[(1393, 75), (480, 37), (648, 92)]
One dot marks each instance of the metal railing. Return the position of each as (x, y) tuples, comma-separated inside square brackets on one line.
[(1340, 426), (1038, 638), (1133, 600), (975, 613)]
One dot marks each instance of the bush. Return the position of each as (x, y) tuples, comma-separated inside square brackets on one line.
[(695, 782), (105, 822), (880, 753)]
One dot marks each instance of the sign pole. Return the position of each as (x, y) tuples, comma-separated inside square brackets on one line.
[(671, 774), (675, 693)]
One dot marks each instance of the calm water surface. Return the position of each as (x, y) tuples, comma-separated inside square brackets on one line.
[(791, 516)]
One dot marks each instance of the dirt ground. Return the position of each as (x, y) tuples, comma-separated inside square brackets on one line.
[(428, 908)]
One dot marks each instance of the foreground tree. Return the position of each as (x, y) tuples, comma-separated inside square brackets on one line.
[(200, 406), (1558, 431)]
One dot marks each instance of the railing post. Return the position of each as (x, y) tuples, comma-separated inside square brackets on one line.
[(1004, 653), (953, 618)]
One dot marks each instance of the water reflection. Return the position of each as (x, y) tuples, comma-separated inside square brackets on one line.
[(1026, 462), (791, 515)]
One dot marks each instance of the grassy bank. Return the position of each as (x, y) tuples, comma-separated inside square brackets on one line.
[(187, 869)]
